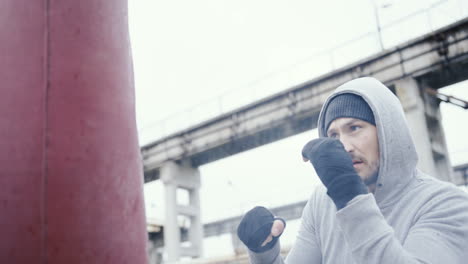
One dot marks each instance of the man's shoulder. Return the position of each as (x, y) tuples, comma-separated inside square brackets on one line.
[(434, 185), (439, 193)]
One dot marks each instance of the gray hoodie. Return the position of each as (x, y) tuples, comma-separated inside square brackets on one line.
[(411, 217)]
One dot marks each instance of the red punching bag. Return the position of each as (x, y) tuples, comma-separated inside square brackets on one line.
[(70, 171)]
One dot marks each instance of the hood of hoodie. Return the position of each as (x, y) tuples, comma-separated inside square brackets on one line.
[(398, 157)]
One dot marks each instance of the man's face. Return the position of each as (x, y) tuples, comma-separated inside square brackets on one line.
[(360, 141)]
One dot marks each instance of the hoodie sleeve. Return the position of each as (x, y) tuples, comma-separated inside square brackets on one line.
[(438, 235), (305, 249)]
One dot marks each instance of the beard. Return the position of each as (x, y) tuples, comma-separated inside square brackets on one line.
[(372, 179)]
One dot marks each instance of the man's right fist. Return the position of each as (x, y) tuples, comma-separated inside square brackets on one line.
[(259, 229), (334, 166), (329, 158)]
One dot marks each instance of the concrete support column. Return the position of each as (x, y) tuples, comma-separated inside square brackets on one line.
[(443, 166), (196, 226), (154, 253), (176, 177), (424, 121), (172, 237)]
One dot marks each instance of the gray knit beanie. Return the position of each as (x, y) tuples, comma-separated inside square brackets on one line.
[(348, 105)]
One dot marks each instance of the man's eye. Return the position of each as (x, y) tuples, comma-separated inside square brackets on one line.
[(354, 128), (333, 135)]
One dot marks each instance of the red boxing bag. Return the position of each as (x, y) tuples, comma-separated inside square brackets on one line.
[(70, 171)]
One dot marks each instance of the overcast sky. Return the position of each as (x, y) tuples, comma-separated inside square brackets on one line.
[(197, 59)]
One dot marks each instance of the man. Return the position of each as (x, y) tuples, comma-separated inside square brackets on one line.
[(375, 205)]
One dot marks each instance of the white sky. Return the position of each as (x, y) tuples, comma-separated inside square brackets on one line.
[(196, 59)]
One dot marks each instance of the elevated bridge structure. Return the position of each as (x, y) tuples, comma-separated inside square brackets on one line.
[(430, 62)]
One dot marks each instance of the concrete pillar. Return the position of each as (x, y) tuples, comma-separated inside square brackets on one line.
[(424, 121), (181, 176), (154, 254), (196, 226), (171, 227), (443, 166)]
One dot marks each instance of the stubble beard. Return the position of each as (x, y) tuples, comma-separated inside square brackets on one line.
[(374, 175), (374, 168)]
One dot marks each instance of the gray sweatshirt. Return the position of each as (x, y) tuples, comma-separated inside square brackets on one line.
[(411, 217)]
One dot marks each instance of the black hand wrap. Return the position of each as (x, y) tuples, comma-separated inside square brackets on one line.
[(255, 228), (335, 169)]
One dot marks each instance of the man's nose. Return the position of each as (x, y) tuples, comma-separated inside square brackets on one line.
[(346, 144)]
